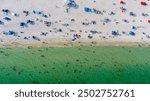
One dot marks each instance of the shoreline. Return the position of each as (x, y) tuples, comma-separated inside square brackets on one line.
[(72, 44)]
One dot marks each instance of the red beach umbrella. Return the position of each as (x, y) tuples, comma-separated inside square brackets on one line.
[(122, 2), (143, 3)]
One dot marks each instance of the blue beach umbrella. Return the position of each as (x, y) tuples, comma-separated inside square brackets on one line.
[(132, 14), (132, 33), (1, 22), (10, 32), (115, 33), (31, 22), (71, 4), (86, 9), (7, 18), (23, 24)]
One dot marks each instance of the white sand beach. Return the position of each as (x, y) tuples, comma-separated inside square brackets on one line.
[(108, 22)]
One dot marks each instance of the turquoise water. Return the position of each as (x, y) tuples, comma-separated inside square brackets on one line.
[(85, 65)]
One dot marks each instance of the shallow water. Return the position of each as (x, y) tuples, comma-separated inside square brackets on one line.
[(86, 64)]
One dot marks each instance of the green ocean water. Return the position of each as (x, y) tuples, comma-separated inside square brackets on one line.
[(79, 65)]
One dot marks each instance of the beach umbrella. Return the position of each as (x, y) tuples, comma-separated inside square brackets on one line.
[(132, 14), (133, 27), (145, 14), (10, 32), (115, 33), (1, 23), (7, 18), (6, 11), (107, 20), (122, 2), (30, 22), (71, 4), (22, 24), (132, 33), (35, 38), (86, 9), (143, 3)]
